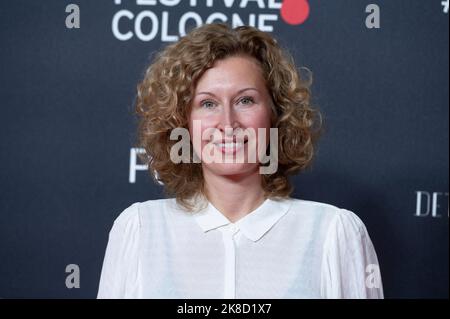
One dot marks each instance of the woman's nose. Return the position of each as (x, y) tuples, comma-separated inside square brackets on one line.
[(228, 120)]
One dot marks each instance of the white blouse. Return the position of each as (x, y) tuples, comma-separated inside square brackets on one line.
[(288, 248)]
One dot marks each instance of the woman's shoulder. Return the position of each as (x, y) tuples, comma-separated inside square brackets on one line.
[(140, 212), (328, 213)]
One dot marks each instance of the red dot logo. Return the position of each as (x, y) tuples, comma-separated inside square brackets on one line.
[(295, 12)]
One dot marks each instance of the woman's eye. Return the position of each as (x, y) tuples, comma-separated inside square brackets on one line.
[(247, 100), (207, 104)]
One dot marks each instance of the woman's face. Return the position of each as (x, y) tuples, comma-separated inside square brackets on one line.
[(231, 97)]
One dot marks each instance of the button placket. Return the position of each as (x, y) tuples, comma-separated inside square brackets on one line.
[(229, 234)]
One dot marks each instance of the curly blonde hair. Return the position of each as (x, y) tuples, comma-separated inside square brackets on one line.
[(165, 94)]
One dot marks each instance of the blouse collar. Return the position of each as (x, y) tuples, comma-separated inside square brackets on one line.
[(253, 226)]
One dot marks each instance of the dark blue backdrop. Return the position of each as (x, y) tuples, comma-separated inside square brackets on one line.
[(66, 131)]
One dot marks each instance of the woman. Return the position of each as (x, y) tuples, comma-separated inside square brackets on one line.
[(231, 230)]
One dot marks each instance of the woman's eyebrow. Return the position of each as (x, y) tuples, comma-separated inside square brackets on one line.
[(238, 92)]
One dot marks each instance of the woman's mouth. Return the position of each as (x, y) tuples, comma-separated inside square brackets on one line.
[(230, 147)]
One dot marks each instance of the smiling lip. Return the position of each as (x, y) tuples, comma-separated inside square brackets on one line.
[(229, 140), (229, 147)]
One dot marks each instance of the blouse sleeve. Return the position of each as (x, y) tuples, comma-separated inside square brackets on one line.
[(120, 263), (350, 266)]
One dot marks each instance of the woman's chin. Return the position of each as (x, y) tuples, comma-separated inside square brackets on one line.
[(232, 168)]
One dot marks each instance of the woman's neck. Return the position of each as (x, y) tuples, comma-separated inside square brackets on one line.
[(234, 195)]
